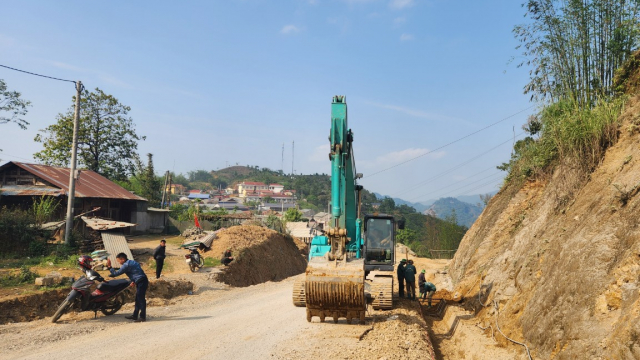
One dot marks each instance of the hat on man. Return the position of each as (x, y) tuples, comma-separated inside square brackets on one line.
[(403, 260), (423, 271)]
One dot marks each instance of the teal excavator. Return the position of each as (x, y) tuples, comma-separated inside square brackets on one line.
[(351, 263)]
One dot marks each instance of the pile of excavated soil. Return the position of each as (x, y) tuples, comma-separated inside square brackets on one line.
[(40, 305), (260, 255), (394, 334)]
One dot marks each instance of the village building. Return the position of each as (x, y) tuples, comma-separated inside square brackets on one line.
[(21, 183)]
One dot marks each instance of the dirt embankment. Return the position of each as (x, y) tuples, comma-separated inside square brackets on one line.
[(44, 304), (260, 254), (557, 262)]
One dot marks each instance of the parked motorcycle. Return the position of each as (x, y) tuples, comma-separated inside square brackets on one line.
[(108, 297), (194, 260)]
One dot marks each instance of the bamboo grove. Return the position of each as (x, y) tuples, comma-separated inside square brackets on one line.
[(573, 47)]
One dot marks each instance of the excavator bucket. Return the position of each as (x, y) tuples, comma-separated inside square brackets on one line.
[(336, 290)]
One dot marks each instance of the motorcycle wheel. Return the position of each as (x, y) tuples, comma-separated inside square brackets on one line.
[(112, 305), (61, 310), (192, 266)]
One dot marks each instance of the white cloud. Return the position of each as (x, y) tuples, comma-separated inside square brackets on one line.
[(399, 21), (406, 37), (289, 29), (320, 154), (401, 4), (406, 155)]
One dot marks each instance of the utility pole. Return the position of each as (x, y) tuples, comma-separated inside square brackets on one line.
[(292, 152), (282, 164), (164, 189), (72, 169)]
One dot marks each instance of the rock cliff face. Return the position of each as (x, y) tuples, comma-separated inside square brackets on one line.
[(560, 258)]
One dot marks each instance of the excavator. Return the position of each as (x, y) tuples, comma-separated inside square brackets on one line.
[(351, 263)]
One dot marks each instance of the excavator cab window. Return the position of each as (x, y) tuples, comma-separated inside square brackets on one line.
[(379, 241)]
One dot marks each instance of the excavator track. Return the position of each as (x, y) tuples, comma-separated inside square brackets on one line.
[(382, 293), (299, 297)]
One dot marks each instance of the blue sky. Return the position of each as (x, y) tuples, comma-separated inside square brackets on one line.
[(224, 82)]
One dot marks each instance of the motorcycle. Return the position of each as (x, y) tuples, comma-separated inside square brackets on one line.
[(194, 260), (107, 298)]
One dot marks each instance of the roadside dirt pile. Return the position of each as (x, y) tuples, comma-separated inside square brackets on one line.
[(396, 334), (260, 254), (44, 304), (557, 262)]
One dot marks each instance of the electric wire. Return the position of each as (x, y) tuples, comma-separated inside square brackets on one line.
[(458, 166), (462, 187), (31, 73), (452, 142)]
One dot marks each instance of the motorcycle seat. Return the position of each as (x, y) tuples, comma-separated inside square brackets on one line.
[(113, 285)]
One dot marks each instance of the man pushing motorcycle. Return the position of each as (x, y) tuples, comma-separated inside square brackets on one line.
[(135, 273)]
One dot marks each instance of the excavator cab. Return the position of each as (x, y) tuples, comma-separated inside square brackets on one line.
[(379, 242)]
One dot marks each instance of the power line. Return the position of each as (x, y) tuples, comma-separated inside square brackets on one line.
[(459, 165), (474, 182), (459, 181), (30, 73), (451, 143)]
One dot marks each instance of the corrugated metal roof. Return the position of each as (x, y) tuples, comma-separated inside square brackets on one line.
[(152, 209), (30, 190), (115, 243), (102, 224), (198, 196), (89, 184)]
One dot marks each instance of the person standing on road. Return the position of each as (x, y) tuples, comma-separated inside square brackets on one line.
[(410, 278), (135, 273), (400, 273), (159, 255)]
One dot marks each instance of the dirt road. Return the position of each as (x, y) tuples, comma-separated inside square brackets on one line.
[(244, 323)]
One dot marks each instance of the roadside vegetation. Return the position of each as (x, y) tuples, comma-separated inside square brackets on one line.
[(580, 57)]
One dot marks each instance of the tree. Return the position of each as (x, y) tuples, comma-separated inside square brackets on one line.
[(573, 48), (292, 215), (107, 141), (10, 102), (149, 183)]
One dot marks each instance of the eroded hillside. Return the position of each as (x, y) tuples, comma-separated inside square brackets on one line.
[(562, 262)]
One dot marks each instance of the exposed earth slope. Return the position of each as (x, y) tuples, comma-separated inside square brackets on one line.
[(560, 258)]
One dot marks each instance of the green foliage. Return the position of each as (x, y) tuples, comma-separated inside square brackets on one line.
[(43, 208), (13, 105), (274, 223), (568, 133), (211, 262), (16, 230), (145, 182), (25, 276), (182, 212), (573, 48), (406, 236), (292, 215), (107, 141)]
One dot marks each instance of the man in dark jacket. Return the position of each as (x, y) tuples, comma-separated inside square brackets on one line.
[(139, 279), (410, 278), (400, 273), (159, 255)]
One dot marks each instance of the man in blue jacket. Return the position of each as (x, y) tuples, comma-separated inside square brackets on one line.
[(133, 270)]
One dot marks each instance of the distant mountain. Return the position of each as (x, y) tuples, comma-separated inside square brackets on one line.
[(466, 213), (418, 206)]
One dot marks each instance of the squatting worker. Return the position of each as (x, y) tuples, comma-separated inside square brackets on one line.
[(159, 255), (400, 273), (139, 278), (410, 278), (429, 289)]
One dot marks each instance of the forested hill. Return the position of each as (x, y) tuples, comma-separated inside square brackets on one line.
[(422, 233), (464, 213)]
